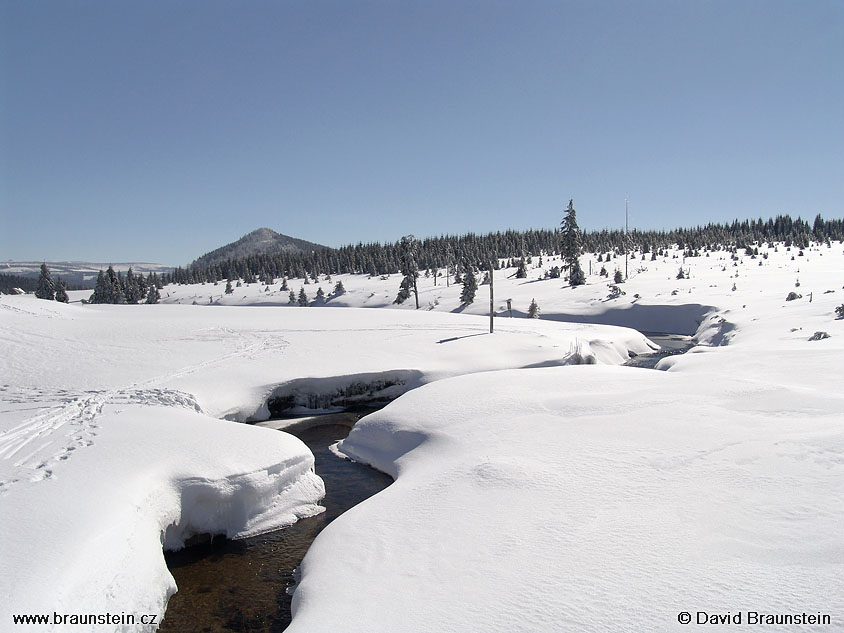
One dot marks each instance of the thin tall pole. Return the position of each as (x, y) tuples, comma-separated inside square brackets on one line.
[(491, 300), (626, 237)]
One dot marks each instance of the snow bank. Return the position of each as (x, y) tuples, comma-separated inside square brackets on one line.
[(110, 442), (585, 499), (611, 498), (337, 393), (87, 536)]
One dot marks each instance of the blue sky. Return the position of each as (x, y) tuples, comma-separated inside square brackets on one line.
[(160, 130)]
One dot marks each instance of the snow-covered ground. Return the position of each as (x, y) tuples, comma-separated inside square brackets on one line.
[(530, 494), (613, 499), (112, 444)]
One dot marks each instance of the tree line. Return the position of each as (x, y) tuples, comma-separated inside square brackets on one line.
[(111, 287), (455, 253)]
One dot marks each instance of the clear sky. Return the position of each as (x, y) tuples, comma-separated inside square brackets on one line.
[(159, 130)]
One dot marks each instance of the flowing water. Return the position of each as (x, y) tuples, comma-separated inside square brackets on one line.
[(241, 585), (670, 345)]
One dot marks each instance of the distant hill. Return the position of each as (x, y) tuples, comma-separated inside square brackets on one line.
[(258, 242), (78, 274)]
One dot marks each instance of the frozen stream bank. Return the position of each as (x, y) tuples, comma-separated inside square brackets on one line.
[(241, 585), (244, 585), (669, 345)]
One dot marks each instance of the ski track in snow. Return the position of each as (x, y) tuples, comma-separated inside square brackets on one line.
[(53, 434)]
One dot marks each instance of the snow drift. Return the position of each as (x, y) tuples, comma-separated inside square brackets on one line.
[(111, 446)]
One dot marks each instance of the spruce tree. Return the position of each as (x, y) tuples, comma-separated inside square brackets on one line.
[(533, 310), (303, 297), (143, 286), (449, 261), (114, 291), (521, 272), (409, 270), (292, 298), (153, 296), (61, 293), (470, 286), (339, 289), (102, 290), (45, 288), (229, 290), (570, 246), (320, 296), (132, 292)]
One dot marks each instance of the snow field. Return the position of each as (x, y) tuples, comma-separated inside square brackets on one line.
[(111, 446), (545, 498), (611, 499), (583, 498), (664, 303)]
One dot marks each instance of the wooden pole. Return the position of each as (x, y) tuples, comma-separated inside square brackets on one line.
[(491, 299)]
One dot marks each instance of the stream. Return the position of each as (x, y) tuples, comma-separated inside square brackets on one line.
[(670, 345), (241, 585)]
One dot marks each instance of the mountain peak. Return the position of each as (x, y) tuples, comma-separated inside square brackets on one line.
[(264, 233), (258, 242)]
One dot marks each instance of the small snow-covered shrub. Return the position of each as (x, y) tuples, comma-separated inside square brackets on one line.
[(615, 292), (839, 312), (818, 336), (577, 357), (792, 296)]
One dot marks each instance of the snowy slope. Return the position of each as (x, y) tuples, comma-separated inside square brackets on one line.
[(111, 444), (654, 300), (585, 499), (613, 499)]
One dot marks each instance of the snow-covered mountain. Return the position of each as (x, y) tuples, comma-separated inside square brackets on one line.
[(257, 242)]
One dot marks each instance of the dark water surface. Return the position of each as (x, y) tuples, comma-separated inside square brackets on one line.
[(241, 585), (670, 345)]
